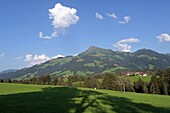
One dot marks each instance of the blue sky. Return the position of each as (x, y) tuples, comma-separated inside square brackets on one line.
[(125, 25)]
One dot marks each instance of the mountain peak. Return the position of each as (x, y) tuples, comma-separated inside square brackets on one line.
[(146, 51), (93, 48)]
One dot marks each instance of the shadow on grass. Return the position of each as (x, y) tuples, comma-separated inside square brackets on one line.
[(66, 100)]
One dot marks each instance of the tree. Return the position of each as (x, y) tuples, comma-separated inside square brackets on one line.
[(1, 80), (91, 82), (69, 82), (140, 86), (44, 79), (60, 81), (9, 81), (33, 80), (162, 86), (48, 79), (154, 85), (55, 81), (127, 86), (112, 82)]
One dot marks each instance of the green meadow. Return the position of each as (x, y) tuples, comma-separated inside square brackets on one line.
[(22, 98), (135, 78)]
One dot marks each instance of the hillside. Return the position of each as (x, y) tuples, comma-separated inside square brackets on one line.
[(95, 60)]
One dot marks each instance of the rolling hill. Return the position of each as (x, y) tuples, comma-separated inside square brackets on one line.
[(95, 60)]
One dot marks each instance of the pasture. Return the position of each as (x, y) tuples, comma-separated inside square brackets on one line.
[(22, 98)]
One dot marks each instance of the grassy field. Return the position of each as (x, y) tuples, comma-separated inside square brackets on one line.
[(135, 78), (19, 98)]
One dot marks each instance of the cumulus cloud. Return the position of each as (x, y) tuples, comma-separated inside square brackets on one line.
[(62, 18), (29, 57), (124, 45), (41, 57), (164, 37), (57, 56), (99, 16), (38, 59), (112, 15), (2, 54), (126, 20)]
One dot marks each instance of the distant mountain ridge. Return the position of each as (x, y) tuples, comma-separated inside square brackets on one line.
[(95, 60), (8, 71)]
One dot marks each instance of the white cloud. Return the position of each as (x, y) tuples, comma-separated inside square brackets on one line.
[(44, 37), (130, 40), (113, 15), (126, 20), (99, 16), (54, 34), (123, 45), (57, 56), (164, 37), (41, 57), (40, 34), (75, 55), (37, 59), (62, 17), (29, 57)]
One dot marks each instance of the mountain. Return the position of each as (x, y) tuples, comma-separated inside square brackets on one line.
[(95, 60), (168, 54), (8, 71)]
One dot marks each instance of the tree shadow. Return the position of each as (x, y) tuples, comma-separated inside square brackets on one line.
[(72, 100)]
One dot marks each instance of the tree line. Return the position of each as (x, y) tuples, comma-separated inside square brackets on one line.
[(159, 83), (108, 81)]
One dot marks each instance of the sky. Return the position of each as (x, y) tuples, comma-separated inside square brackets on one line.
[(34, 31)]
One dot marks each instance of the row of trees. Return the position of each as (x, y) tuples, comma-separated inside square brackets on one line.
[(51, 80), (159, 83), (101, 81)]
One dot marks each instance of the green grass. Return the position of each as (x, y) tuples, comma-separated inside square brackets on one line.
[(135, 78), (19, 98), (89, 65), (81, 73)]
